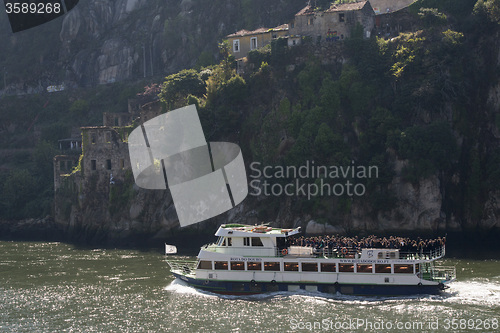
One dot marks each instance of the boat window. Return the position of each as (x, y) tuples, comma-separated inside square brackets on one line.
[(221, 265), (246, 241), (292, 266), (271, 266), (346, 267), (328, 267), (364, 268), (404, 269), (256, 241), (237, 266), (254, 266), (223, 242), (204, 264), (417, 268), (381, 255), (219, 241), (229, 241), (309, 267), (382, 268)]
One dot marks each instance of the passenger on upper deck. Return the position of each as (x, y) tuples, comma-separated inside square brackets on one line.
[(338, 242)]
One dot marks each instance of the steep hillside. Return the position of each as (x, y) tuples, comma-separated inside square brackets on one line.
[(115, 40), (415, 116), (103, 52)]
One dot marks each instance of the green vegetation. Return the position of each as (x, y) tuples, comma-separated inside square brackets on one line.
[(27, 191), (387, 102), (181, 84), (420, 98), (34, 124)]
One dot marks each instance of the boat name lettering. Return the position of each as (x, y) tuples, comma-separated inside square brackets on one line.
[(246, 259), (367, 261)]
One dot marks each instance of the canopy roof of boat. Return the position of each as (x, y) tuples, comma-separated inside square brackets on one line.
[(242, 230)]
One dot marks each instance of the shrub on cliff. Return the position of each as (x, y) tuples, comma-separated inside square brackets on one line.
[(182, 84)]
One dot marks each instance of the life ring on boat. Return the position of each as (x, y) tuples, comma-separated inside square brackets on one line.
[(344, 251), (284, 252)]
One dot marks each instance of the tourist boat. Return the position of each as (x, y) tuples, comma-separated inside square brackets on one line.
[(258, 259)]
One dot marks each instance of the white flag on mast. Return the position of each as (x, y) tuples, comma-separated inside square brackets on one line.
[(170, 249)]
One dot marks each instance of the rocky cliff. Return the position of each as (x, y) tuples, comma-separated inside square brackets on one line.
[(422, 106), (105, 41)]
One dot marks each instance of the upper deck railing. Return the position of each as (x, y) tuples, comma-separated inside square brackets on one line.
[(309, 252), (351, 253)]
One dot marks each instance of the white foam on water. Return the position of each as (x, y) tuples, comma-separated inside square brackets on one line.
[(181, 287), (477, 292)]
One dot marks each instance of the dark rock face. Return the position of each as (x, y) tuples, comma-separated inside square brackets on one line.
[(105, 41), (32, 229)]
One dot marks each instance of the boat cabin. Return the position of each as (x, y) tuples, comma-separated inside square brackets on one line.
[(251, 240)]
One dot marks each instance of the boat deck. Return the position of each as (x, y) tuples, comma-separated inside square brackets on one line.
[(327, 253)]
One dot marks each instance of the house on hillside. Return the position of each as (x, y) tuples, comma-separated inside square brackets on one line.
[(334, 23), (245, 41)]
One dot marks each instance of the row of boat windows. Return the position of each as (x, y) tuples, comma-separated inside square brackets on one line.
[(247, 241), (308, 267)]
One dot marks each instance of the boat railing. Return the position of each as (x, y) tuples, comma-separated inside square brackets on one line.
[(325, 252), (424, 255), (353, 253), (184, 266), (439, 273)]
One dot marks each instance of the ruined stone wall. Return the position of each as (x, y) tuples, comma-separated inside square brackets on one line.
[(366, 18), (63, 165), (335, 25), (105, 153)]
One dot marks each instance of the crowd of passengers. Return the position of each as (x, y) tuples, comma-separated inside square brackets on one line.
[(404, 244)]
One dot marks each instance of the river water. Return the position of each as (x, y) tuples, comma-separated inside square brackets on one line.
[(56, 287)]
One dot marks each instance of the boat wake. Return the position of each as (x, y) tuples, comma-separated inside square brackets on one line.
[(180, 287), (484, 293)]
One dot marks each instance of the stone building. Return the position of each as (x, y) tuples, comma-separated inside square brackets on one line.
[(334, 23), (244, 41), (105, 156), (389, 6), (105, 151), (63, 167)]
